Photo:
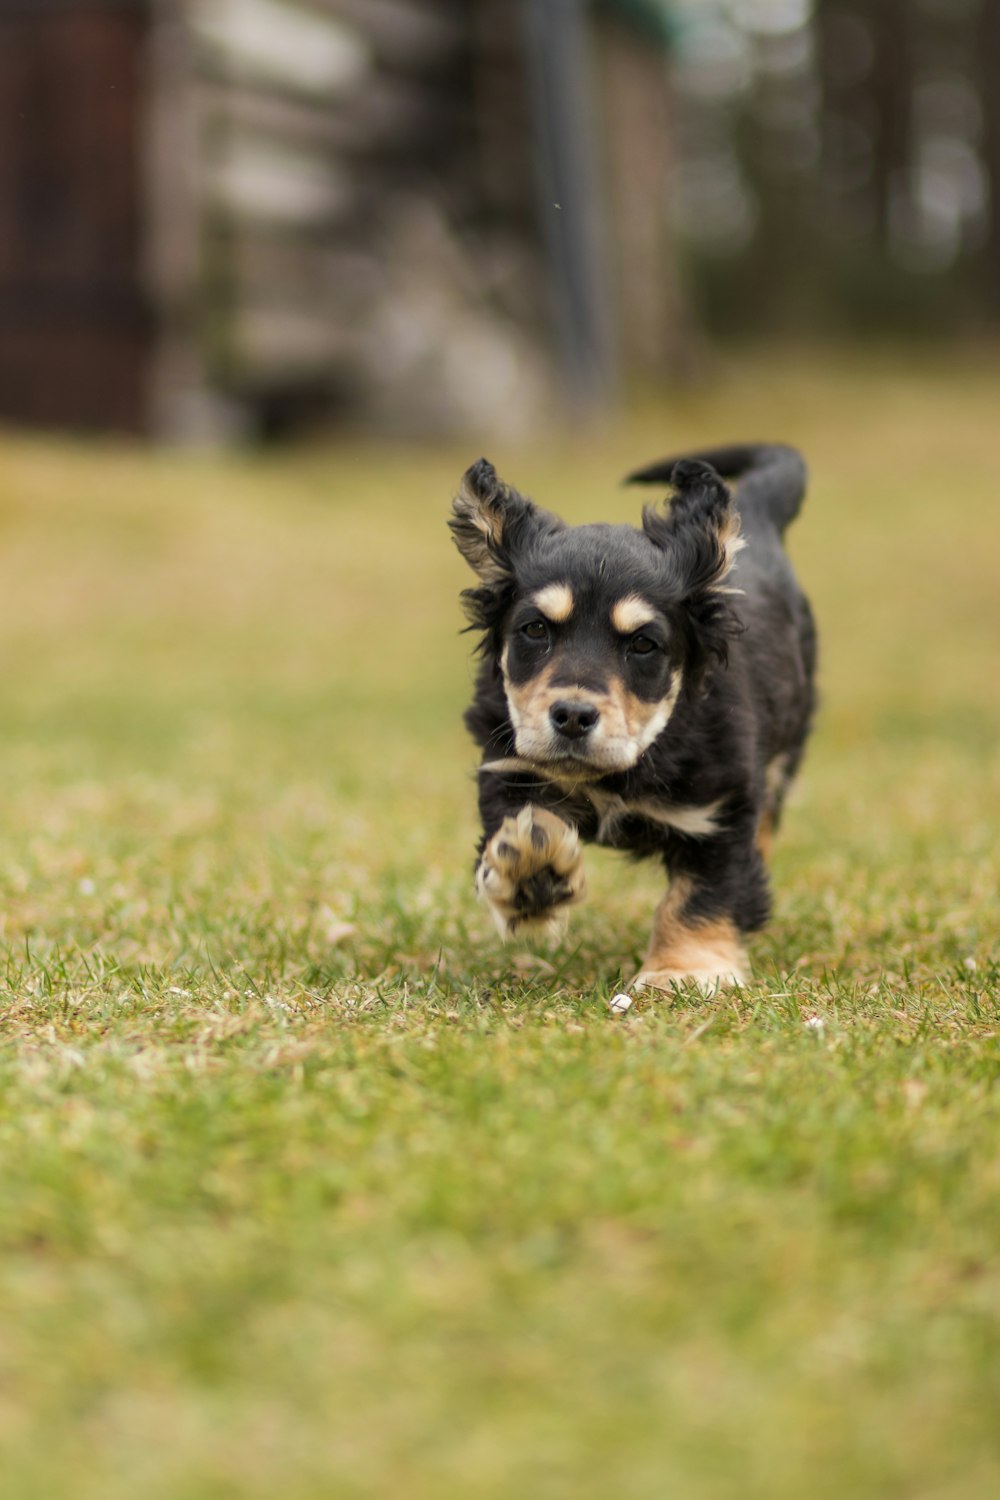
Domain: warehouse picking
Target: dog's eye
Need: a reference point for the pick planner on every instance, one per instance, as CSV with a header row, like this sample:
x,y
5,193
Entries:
x,y
535,630
641,645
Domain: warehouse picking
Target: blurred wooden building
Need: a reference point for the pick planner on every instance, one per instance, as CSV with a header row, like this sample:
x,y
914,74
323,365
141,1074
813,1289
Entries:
x,y
228,214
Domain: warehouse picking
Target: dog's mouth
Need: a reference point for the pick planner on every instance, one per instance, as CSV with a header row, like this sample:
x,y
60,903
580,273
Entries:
x,y
574,768
565,769
554,764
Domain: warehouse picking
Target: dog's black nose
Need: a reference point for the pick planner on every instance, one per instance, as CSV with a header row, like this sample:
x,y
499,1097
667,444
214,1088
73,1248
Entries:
x,y
573,720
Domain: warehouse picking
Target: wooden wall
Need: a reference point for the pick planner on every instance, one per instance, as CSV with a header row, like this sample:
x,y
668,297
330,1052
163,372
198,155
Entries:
x,y
218,217
75,325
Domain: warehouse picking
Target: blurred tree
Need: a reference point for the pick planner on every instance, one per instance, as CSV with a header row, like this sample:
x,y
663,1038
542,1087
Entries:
x,y
989,79
891,94
840,162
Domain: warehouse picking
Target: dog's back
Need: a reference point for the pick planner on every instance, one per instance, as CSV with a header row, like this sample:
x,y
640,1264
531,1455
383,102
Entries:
x,y
771,478
779,644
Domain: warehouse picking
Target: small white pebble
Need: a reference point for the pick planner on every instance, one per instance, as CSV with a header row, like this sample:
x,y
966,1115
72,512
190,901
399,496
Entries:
x,y
815,1023
620,1003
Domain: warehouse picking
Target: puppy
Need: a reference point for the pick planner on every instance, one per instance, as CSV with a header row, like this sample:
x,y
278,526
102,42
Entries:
x,y
649,690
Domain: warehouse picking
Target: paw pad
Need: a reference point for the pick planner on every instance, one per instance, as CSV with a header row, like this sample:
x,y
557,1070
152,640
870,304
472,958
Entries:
x,y
530,870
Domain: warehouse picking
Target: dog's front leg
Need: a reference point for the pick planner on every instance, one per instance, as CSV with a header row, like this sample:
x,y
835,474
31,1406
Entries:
x,y
714,899
530,870
706,950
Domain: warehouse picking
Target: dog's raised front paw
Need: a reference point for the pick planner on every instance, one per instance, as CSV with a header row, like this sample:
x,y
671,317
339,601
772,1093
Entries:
x,y
530,870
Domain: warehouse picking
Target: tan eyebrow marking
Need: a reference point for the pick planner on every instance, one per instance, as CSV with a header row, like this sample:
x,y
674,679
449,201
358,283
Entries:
x,y
631,613
555,602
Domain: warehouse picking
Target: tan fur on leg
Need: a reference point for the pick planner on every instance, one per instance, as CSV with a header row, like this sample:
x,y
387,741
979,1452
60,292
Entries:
x,y
710,951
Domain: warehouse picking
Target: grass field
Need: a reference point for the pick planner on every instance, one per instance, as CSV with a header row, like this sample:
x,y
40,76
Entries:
x,y
306,1187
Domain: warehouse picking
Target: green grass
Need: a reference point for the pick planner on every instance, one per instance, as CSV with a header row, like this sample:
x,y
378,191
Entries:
x,y
306,1187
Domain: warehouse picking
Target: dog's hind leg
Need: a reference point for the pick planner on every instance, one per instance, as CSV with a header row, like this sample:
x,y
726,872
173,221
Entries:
x,y
777,777
765,834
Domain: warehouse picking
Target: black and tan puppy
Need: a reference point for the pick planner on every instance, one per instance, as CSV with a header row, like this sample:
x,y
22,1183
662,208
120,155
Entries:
x,y
650,690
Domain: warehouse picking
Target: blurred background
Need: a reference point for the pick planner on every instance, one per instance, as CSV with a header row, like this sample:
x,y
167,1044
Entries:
x,y
316,1190
233,218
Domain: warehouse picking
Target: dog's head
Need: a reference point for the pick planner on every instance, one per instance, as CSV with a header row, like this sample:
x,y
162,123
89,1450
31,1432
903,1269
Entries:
x,y
595,629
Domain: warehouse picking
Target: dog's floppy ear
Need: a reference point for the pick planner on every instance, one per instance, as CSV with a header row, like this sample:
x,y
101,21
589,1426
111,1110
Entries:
x,y
699,536
491,523
701,528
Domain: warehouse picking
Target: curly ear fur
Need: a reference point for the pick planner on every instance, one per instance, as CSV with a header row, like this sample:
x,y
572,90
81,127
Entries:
x,y
700,537
478,515
491,523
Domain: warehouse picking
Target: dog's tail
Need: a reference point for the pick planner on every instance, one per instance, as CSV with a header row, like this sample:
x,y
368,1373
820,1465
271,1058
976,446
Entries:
x,y
772,477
